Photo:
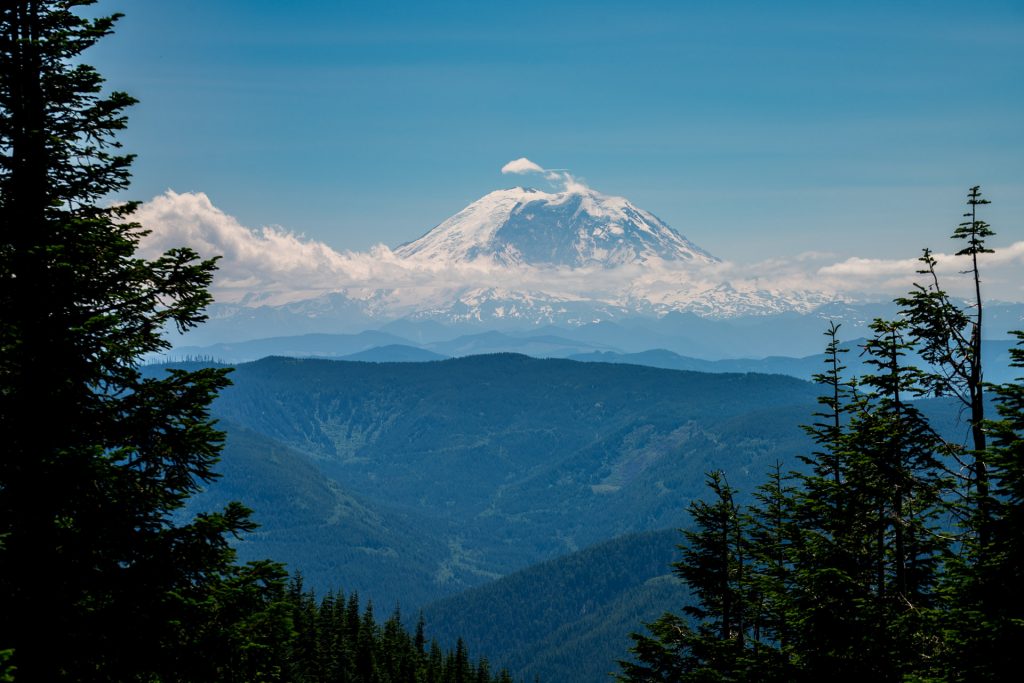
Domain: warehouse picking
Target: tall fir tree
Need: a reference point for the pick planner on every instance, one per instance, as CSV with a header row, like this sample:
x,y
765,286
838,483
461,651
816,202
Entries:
x,y
715,564
773,537
1003,569
896,457
978,611
98,581
948,336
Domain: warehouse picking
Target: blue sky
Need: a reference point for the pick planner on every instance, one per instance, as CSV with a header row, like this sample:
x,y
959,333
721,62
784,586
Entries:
x,y
756,129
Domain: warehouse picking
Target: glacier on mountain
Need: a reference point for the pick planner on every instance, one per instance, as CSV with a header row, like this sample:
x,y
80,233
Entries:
x,y
525,226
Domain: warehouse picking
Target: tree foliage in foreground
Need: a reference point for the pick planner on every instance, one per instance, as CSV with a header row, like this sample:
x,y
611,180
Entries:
x,y
335,640
895,555
99,579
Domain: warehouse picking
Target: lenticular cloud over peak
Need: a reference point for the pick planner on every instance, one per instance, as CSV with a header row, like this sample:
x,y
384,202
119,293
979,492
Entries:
x,y
520,166
561,177
541,253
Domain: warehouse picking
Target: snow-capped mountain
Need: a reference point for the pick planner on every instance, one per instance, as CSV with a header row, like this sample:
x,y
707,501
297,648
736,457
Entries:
x,y
520,229
518,259
524,226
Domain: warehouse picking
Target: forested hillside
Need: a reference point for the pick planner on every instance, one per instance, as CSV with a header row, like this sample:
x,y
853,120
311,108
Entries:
x,y
566,619
338,638
501,461
338,540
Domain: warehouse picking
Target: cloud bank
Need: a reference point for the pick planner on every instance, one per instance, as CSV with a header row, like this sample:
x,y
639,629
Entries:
x,y
270,265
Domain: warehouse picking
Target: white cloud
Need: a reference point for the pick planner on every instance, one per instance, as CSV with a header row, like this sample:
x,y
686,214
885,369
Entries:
x,y
1000,273
568,182
559,176
277,266
520,166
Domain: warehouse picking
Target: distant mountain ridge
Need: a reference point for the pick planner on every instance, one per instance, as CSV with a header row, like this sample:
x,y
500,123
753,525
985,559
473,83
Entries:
x,y
789,345
788,334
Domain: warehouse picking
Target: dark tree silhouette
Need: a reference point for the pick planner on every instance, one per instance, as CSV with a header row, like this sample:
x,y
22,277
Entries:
x,y
98,579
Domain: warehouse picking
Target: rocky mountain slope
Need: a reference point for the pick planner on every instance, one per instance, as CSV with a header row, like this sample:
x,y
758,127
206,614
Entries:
x,y
573,228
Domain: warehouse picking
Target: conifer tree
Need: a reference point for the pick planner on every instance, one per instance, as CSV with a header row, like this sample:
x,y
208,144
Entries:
x,y
830,552
949,339
435,664
896,456
984,586
1004,560
715,563
89,503
977,602
773,536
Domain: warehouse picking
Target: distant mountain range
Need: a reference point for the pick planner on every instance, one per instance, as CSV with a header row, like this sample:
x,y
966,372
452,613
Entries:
x,y
677,342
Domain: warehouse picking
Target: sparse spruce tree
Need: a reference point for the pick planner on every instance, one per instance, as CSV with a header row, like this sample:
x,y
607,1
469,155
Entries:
x,y
978,611
98,579
948,337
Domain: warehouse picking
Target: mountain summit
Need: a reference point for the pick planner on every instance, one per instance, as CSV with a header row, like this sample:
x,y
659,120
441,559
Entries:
x,y
514,259
580,227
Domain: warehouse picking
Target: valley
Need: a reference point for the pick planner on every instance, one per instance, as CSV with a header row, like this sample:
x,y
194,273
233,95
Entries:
x,y
492,463
461,486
